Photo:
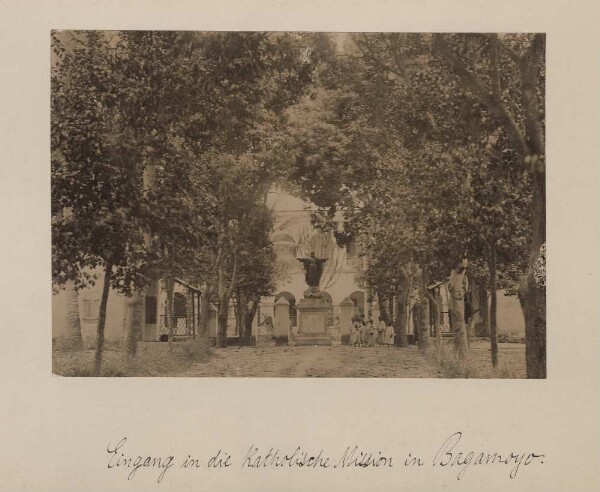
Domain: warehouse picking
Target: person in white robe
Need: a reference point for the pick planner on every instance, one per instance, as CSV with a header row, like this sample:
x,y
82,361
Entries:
x,y
364,333
381,331
355,335
372,331
389,335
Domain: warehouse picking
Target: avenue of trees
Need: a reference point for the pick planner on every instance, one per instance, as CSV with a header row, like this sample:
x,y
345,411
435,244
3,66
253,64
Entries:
x,y
161,159
428,148
432,147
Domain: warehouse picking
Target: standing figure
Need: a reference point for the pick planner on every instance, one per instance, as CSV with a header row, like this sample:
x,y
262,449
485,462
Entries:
x,y
389,336
372,334
363,332
355,334
313,269
381,331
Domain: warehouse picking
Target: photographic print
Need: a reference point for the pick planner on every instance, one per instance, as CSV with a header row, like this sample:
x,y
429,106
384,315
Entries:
x,y
298,204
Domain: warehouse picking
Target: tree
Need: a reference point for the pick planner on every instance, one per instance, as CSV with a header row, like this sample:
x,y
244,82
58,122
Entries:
x,y
72,336
519,110
238,184
248,79
422,141
131,104
95,173
257,269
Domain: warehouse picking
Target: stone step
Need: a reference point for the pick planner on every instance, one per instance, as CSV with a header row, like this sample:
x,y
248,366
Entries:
x,y
308,339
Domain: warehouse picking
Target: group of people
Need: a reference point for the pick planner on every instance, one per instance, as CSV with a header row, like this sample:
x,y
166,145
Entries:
x,y
368,334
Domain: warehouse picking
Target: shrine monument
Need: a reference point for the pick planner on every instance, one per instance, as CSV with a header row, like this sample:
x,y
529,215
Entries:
x,y
314,308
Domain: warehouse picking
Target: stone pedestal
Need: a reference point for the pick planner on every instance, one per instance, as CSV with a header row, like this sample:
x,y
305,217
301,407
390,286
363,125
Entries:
x,y
282,317
313,314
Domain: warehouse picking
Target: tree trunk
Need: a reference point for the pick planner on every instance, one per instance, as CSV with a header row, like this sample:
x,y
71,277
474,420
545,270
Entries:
x,y
72,337
424,320
532,295
424,325
250,319
224,298
134,317
223,309
530,145
415,312
169,288
102,321
204,311
468,311
457,310
190,318
384,311
368,288
249,309
472,303
401,326
437,324
483,306
493,317
239,314
244,313
535,294
403,310
222,318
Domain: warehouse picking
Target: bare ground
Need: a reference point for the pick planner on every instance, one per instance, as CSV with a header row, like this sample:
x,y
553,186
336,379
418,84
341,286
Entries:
x,y
330,362
511,360
316,361
356,362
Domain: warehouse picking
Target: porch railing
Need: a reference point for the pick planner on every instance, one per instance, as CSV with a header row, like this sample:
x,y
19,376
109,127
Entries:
x,y
180,326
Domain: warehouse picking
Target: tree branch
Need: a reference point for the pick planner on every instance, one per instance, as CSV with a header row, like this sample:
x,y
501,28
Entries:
x,y
396,51
497,109
496,91
512,54
381,65
530,67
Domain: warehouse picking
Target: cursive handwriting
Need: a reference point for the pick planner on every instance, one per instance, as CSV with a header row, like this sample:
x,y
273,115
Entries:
x,y
274,458
356,457
449,456
119,459
452,455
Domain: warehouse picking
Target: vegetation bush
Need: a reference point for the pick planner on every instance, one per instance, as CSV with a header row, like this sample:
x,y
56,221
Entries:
x,y
153,359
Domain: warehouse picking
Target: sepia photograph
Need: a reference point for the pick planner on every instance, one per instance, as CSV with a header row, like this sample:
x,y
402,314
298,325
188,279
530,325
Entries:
x,y
270,245
298,204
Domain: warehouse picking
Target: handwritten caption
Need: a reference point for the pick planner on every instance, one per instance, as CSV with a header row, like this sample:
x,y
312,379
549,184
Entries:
x,y
451,455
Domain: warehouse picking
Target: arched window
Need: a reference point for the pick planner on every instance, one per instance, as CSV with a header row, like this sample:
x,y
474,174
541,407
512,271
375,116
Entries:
x,y
283,238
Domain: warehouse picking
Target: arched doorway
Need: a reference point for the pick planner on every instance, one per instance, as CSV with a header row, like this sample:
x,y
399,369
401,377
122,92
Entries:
x,y
358,298
292,309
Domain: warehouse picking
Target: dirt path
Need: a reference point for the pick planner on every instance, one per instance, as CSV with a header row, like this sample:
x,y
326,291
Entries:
x,y
341,361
